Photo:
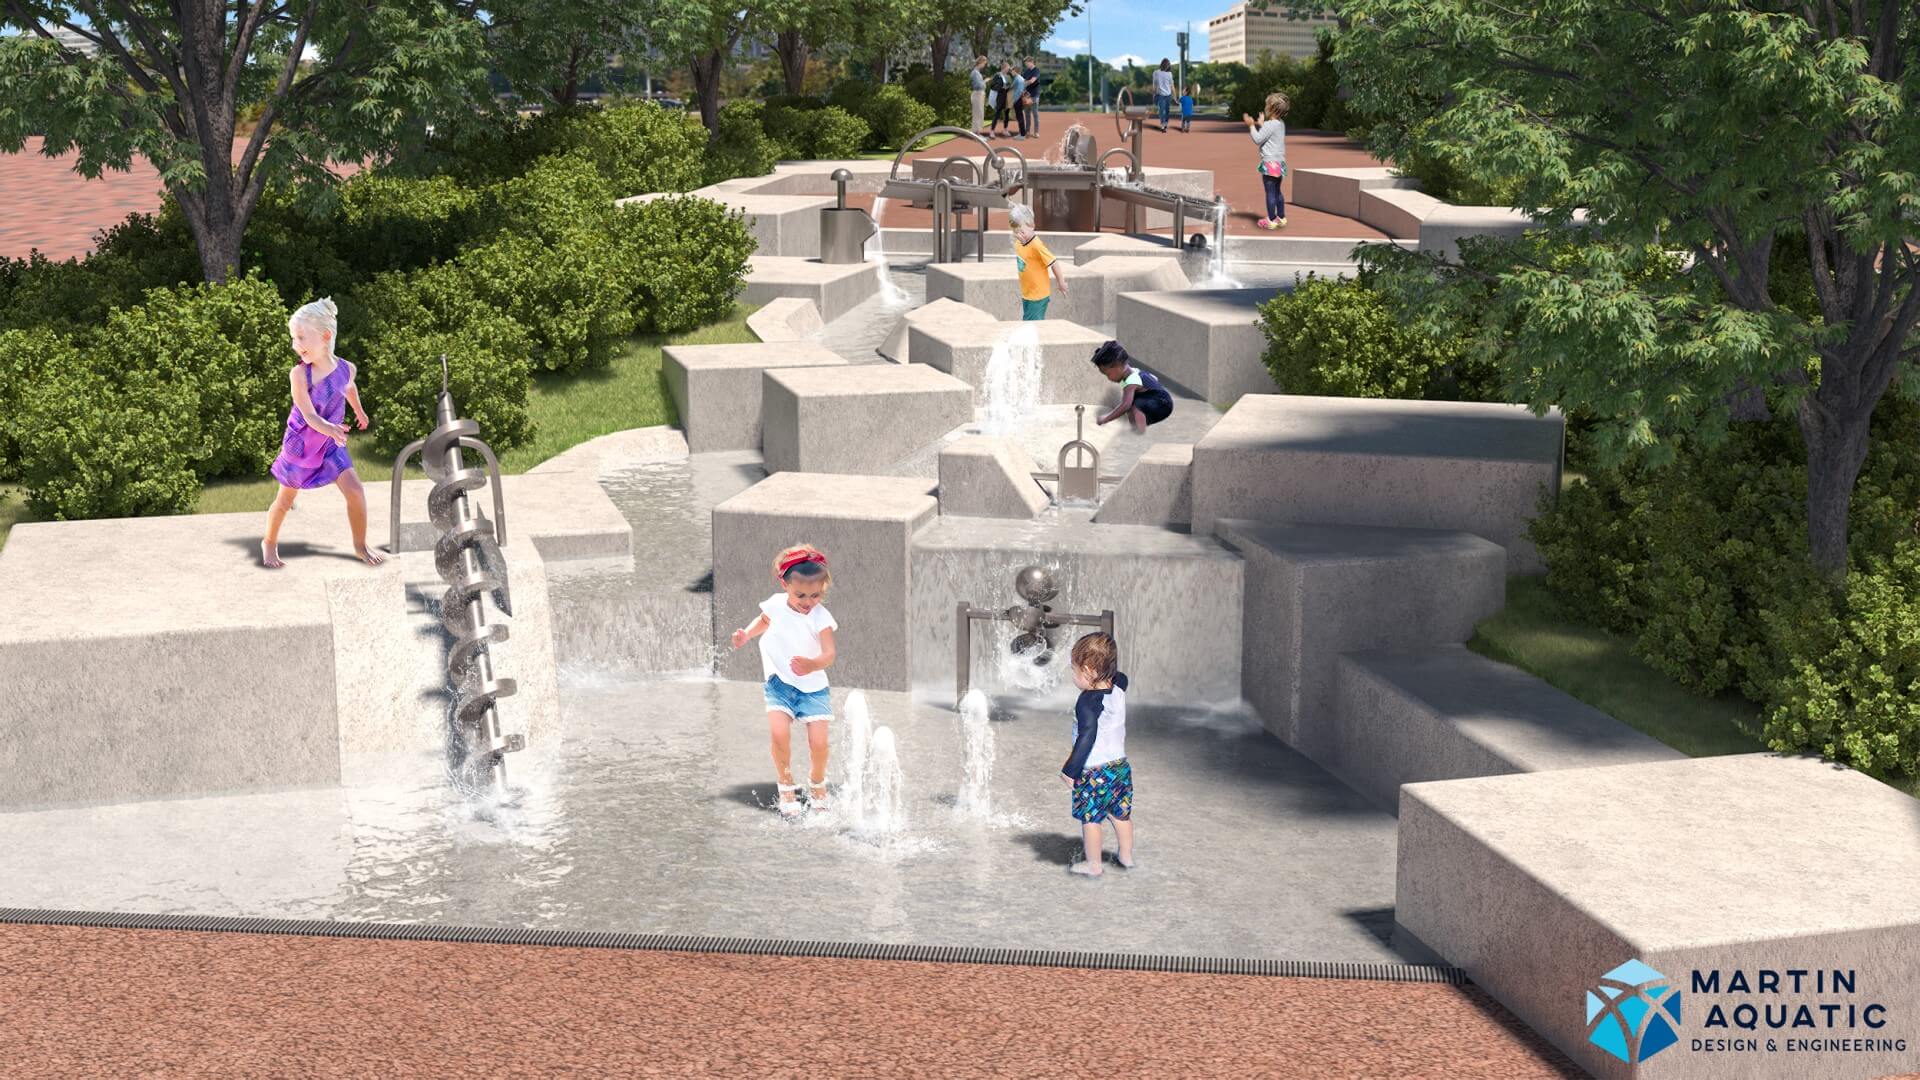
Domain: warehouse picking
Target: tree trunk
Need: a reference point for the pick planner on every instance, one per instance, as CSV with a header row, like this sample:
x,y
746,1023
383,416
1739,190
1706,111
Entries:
x,y
879,64
941,43
706,68
568,90
793,52
216,233
1836,440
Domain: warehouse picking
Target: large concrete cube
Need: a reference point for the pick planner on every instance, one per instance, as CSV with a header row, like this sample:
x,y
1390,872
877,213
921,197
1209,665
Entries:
x,y
1158,490
1442,230
1477,467
1208,341
1777,871
834,288
989,476
1316,591
1051,358
789,318
1396,212
716,388
860,418
1131,274
1338,191
993,286
1445,713
865,526
898,345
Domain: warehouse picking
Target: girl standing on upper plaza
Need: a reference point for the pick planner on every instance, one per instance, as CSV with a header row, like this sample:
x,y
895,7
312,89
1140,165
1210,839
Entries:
x,y
1270,135
796,649
313,452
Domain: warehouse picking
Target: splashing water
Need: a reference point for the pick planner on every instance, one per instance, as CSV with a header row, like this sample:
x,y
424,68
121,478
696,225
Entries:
x,y
859,738
1013,380
976,738
1019,670
882,812
876,251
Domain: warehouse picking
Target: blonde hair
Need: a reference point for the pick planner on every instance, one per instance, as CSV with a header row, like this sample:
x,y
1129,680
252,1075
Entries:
x,y
1097,655
1020,216
788,554
1277,105
322,314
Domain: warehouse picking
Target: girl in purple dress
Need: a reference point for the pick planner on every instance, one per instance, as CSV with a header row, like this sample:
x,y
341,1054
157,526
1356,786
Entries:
x,y
313,452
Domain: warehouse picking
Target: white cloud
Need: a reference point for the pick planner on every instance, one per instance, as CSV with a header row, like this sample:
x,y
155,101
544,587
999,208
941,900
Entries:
x,y
1173,27
1119,63
1057,46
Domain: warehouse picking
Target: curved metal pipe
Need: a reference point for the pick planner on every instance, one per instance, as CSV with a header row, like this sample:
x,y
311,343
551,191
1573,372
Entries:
x,y
894,173
1005,184
973,171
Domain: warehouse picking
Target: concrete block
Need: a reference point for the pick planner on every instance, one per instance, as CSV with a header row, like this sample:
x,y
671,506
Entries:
x,y
989,476
835,289
994,287
865,525
1413,464
856,419
1129,274
716,388
1397,212
1338,191
783,226
1445,713
1310,250
1176,601
1316,591
789,318
897,347
1158,490
1442,230
1207,341
1538,885
1049,361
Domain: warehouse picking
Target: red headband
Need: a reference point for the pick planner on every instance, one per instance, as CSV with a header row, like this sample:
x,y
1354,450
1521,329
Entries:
x,y
798,557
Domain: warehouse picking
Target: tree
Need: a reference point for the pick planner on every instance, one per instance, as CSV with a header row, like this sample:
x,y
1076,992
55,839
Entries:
x,y
550,48
169,84
1772,147
876,29
704,34
799,27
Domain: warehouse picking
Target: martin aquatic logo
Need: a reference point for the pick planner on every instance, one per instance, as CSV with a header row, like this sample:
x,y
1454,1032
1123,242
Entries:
x,y
1628,1016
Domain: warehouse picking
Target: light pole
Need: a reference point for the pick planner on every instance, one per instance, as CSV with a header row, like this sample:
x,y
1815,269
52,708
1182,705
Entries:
x,y
1089,57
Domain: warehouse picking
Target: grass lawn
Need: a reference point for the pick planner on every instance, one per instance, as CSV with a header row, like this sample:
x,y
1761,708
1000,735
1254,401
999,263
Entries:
x,y
567,410
889,155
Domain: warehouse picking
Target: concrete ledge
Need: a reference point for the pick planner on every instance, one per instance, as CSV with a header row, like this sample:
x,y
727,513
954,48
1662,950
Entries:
x,y
1442,230
1353,461
857,418
1397,212
1123,274
786,226
1539,884
994,287
789,318
1055,355
1195,264
1445,713
1338,191
835,289
1316,591
865,525
617,452
1158,490
716,388
898,346
918,242
1208,341
989,476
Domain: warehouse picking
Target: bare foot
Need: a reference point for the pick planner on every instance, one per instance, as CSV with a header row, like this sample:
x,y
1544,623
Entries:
x,y
1091,869
270,556
370,556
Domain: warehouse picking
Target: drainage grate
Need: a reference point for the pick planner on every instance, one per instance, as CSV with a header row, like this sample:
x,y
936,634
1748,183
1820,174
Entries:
x,y
837,950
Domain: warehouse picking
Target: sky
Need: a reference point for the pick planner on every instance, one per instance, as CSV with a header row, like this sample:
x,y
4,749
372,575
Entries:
x,y
1142,29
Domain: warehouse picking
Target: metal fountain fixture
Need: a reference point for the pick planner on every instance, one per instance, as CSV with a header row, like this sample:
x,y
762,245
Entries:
x,y
1082,478
1035,619
468,558
972,186
845,230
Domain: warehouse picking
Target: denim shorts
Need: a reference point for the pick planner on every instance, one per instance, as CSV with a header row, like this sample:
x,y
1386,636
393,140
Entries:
x,y
1033,309
783,696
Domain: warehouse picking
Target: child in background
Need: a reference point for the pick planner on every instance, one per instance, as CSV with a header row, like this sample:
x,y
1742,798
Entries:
x,y
1035,264
1269,133
796,649
1143,398
1097,770
1186,110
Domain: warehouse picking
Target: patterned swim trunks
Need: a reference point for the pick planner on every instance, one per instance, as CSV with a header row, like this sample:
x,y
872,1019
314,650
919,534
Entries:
x,y
1104,791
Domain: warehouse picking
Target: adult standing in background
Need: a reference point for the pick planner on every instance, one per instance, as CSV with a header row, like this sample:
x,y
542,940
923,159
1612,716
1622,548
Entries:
x,y
1163,90
1031,73
1019,97
979,82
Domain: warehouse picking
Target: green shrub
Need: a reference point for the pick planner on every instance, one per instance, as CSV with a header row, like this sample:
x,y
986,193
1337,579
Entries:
x,y
740,146
24,355
399,377
1318,88
295,245
1339,338
637,148
834,133
558,195
894,115
788,129
399,223
949,96
1271,72
62,295
690,256
571,293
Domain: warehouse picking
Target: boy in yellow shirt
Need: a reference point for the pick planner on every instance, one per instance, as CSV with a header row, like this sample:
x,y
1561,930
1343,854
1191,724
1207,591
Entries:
x,y
1035,262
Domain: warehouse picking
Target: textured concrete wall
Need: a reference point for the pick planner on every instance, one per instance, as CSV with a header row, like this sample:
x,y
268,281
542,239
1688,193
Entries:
x,y
965,350
989,476
860,418
834,288
1158,490
1207,341
716,388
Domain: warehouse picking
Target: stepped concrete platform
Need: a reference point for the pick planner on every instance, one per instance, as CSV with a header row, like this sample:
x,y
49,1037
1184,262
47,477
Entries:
x,y
994,287
784,226
898,345
1763,868
1207,341
859,418
989,476
1443,229
1445,713
918,243
192,670
865,526
716,388
614,453
1314,592
1176,601
789,318
834,288
1193,263
1339,191
1398,212
1158,490
1121,274
1481,468
1062,351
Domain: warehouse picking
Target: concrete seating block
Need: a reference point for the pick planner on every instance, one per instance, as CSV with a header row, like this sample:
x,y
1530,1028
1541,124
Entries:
x,y
994,287
989,476
716,388
1126,274
786,226
789,318
835,289
1338,191
1443,229
1158,490
856,418
1305,250
1176,601
1317,591
897,347
1745,882
1107,244
1397,212
1053,358
864,524
1445,713
1349,461
1208,341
